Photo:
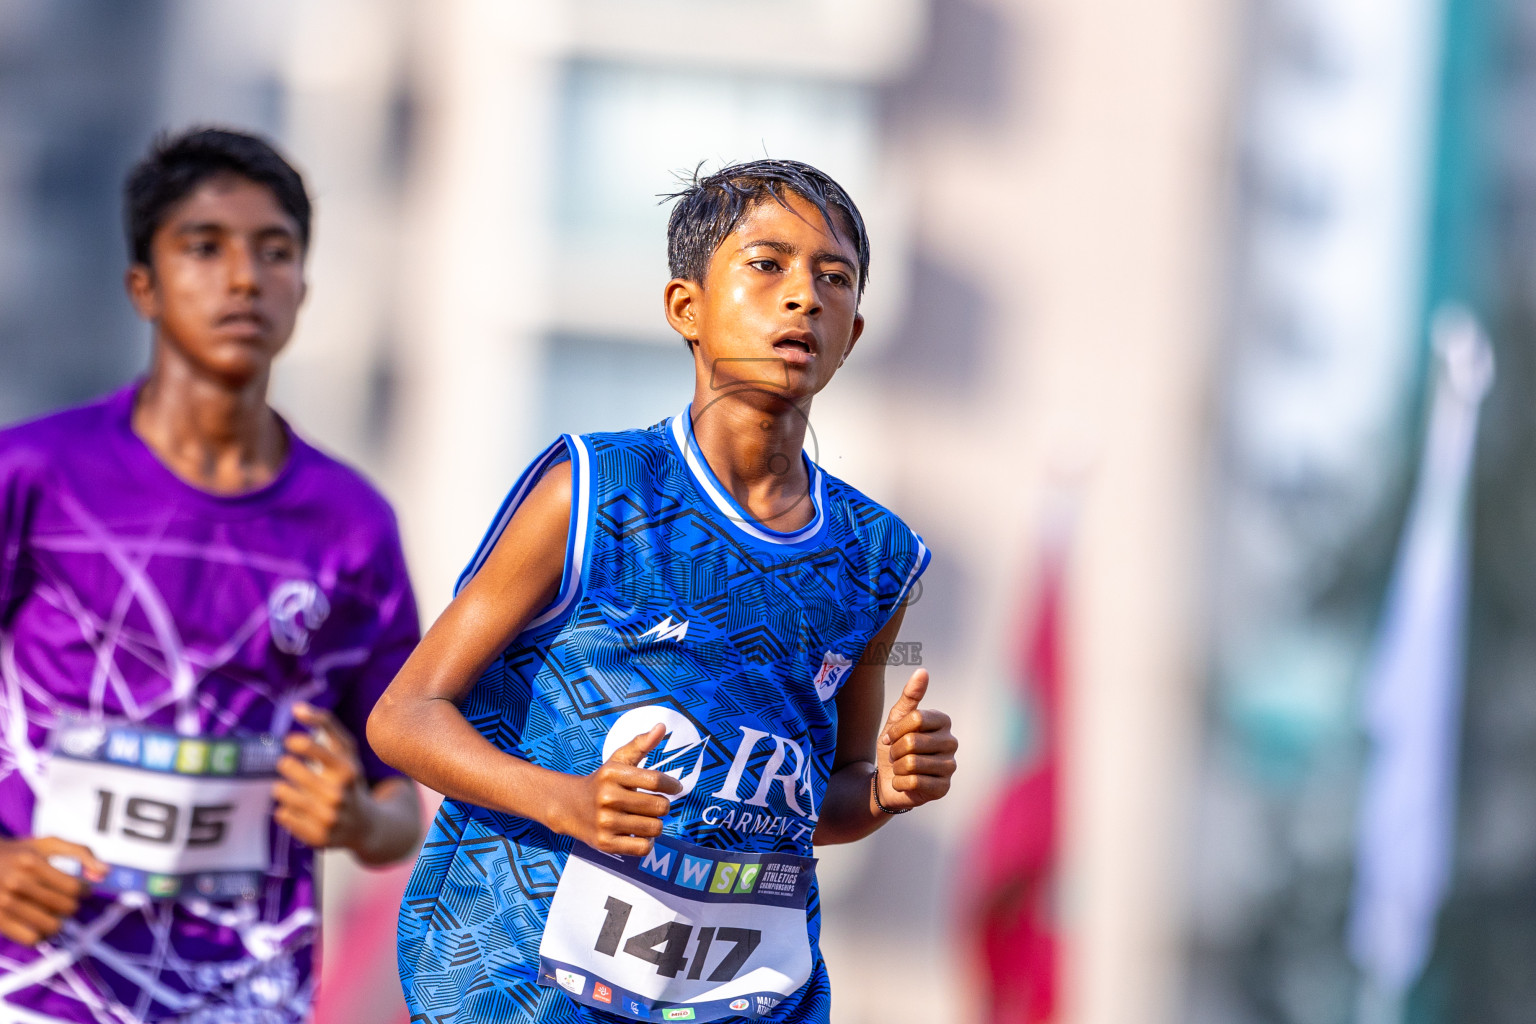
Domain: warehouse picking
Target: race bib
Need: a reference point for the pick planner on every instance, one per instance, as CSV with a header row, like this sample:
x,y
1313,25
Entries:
x,y
170,814
683,933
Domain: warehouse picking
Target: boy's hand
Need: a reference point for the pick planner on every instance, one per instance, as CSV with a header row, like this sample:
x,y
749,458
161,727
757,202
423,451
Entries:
x,y
609,810
916,753
35,896
322,798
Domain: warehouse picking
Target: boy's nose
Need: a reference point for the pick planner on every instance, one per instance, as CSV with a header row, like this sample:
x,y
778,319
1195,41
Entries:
x,y
802,299
242,269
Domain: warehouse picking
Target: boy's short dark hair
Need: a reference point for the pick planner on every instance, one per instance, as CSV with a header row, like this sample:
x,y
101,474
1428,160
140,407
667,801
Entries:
x,y
711,207
177,164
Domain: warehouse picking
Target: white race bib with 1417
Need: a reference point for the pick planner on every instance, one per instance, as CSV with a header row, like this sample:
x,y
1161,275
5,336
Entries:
x,y
169,814
683,933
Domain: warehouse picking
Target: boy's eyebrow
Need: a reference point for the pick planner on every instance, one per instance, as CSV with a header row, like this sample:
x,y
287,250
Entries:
x,y
828,256
200,226
775,244
820,256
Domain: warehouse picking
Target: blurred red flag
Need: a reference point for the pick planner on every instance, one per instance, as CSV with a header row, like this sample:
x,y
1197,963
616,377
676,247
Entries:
x,y
1015,920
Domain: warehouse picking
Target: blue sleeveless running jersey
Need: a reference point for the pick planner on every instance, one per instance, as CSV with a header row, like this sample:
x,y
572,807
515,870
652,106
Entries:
x,y
675,606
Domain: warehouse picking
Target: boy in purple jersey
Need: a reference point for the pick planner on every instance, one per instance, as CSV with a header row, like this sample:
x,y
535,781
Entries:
x,y
181,574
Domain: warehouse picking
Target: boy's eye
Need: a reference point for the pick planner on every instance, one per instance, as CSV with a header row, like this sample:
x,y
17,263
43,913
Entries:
x,y
764,264
833,277
277,253
203,247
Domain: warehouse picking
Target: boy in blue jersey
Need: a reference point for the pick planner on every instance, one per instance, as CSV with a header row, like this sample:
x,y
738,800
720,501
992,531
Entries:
x,y
661,681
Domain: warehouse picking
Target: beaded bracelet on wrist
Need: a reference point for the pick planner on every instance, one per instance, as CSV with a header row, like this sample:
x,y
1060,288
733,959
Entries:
x,y
874,787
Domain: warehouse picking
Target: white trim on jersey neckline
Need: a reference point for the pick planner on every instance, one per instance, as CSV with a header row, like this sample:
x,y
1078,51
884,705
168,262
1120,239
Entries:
x,y
698,468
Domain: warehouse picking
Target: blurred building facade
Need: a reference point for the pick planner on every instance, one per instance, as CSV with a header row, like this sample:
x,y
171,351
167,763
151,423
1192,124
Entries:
x,y
74,112
1038,180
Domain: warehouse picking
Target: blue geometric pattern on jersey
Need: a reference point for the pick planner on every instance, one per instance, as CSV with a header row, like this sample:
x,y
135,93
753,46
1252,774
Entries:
x,y
527,1001
675,607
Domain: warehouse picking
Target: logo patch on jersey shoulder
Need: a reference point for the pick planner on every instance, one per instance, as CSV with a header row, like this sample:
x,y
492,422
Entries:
x,y
675,755
296,609
834,669
665,630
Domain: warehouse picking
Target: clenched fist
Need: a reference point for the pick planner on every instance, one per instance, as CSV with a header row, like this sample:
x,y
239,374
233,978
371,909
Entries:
x,y
36,897
610,809
322,798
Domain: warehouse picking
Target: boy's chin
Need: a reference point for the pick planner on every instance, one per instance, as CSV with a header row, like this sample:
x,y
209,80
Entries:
x,y
233,364
768,396
771,375
803,383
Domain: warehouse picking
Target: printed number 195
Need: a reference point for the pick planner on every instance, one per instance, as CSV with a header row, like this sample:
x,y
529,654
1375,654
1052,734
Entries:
x,y
155,821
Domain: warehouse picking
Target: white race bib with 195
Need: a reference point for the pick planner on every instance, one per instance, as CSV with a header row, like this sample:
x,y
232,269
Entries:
x,y
683,933
169,814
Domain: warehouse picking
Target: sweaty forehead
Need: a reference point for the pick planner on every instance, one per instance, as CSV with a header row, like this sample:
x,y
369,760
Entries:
x,y
767,219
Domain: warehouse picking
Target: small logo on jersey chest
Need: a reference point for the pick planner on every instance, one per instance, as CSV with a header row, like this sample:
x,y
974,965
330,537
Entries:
x,y
666,630
296,609
834,669
682,739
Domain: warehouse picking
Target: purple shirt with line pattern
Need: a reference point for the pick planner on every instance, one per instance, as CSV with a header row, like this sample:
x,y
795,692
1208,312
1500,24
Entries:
x,y
128,595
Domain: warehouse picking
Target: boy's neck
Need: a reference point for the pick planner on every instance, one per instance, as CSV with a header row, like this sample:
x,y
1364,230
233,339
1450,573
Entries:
x,y
752,441
217,435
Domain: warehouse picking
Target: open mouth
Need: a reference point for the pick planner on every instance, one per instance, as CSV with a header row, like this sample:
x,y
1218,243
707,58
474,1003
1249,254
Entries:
x,y
250,321
794,347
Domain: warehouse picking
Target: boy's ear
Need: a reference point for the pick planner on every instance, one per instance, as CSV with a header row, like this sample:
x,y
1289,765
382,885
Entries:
x,y
139,280
680,298
853,339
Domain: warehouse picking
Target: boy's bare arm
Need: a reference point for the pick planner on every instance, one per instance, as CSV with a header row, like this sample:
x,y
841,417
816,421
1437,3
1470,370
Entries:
x,y
908,752
417,726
